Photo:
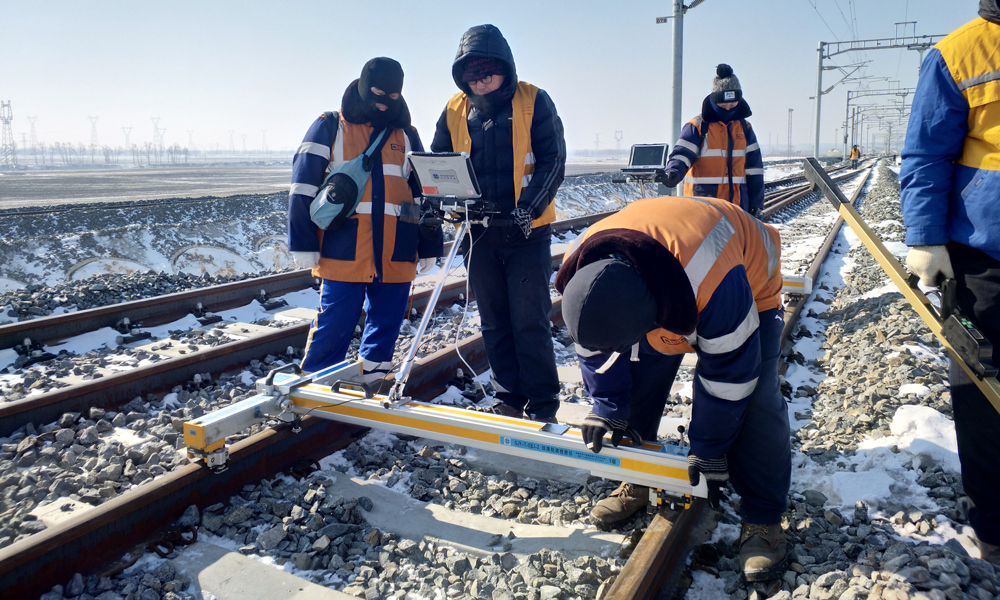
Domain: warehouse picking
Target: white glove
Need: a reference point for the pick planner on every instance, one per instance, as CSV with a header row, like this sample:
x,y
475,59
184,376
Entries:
x,y
424,265
927,261
306,260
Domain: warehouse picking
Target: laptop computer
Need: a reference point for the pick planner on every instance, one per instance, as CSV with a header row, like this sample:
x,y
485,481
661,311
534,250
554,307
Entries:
x,y
647,158
445,174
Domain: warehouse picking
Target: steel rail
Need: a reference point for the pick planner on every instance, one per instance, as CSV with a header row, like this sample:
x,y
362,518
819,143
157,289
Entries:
x,y
169,307
89,541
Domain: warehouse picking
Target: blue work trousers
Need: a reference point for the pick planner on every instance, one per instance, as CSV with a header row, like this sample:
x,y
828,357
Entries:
x,y
340,310
511,285
760,459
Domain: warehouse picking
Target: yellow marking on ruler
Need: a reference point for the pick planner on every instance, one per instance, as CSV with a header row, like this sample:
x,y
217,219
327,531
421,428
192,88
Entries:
x,y
395,418
654,469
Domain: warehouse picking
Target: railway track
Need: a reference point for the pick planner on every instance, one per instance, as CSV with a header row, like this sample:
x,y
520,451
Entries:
x,y
85,542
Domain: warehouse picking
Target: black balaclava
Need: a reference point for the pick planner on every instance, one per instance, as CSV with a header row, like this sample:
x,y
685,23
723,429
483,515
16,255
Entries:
x,y
386,75
608,307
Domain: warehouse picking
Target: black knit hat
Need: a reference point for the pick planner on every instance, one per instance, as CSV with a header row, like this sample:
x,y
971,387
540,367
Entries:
x,y
480,67
725,86
607,306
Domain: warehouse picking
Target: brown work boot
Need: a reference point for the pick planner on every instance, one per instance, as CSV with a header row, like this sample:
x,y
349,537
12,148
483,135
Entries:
x,y
621,504
763,554
506,410
989,552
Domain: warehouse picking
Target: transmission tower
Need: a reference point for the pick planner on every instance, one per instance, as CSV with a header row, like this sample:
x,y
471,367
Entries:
x,y
244,136
790,131
232,144
156,132
32,138
263,133
597,144
127,131
7,156
618,143
190,139
93,133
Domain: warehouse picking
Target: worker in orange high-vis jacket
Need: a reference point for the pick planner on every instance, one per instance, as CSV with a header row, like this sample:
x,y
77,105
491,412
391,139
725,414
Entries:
x,y
514,137
662,277
855,156
718,149
369,260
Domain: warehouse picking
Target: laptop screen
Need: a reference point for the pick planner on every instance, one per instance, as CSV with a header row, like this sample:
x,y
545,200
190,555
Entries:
x,y
648,155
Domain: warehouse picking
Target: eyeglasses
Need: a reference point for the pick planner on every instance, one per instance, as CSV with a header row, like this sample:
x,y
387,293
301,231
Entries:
x,y
484,81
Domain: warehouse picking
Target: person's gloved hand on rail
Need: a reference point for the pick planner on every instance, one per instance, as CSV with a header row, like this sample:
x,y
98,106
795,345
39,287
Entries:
x,y
927,262
716,472
306,260
594,428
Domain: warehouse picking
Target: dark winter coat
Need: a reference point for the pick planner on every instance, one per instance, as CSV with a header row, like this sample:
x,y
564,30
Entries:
x,y
491,129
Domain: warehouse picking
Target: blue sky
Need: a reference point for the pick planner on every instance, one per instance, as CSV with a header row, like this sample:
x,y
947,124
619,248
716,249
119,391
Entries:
x,y
213,66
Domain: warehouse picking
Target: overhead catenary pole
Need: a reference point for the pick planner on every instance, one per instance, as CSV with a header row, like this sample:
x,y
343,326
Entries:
x,y
677,74
819,97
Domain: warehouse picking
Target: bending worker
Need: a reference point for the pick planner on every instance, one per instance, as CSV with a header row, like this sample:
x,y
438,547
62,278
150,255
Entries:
x,y
720,149
514,136
671,275
950,186
371,258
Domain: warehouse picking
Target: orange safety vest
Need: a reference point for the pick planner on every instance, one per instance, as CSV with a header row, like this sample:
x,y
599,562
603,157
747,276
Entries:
x,y
855,154
399,223
712,166
709,237
524,158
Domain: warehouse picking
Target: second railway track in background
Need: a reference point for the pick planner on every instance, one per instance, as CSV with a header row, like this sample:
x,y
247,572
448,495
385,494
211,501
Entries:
x,y
32,564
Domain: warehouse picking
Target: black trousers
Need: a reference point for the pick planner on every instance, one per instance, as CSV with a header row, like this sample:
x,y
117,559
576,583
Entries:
x,y
511,285
977,422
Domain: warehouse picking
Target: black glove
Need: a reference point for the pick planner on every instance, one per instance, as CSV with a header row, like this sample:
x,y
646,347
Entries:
x,y
716,472
669,179
522,219
429,224
595,427
757,213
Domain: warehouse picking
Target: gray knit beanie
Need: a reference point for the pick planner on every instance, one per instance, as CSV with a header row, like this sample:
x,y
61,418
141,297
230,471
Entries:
x,y
725,86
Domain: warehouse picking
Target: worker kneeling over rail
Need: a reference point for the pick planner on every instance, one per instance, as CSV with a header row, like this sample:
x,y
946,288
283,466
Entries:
x,y
672,275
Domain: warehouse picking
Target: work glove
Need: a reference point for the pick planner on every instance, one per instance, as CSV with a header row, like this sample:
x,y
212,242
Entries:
x,y
522,219
716,472
927,262
424,265
669,179
429,225
306,260
594,428
757,213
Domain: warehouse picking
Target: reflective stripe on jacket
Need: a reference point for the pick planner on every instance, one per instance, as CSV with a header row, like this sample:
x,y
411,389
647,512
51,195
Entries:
x,y
524,159
710,238
950,173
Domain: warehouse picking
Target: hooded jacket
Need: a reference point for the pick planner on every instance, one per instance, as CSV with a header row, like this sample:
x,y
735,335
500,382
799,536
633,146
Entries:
x,y
512,171
950,173
381,240
723,156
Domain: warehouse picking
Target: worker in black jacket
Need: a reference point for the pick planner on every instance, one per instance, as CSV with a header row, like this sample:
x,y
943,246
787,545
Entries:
x,y
514,136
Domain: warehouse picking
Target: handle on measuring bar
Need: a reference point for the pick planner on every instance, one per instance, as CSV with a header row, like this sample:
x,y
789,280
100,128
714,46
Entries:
x,y
270,375
364,387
